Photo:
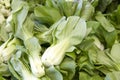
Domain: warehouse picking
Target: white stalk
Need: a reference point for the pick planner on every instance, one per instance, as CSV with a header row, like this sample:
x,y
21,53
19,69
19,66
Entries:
x,y
55,54
36,65
7,52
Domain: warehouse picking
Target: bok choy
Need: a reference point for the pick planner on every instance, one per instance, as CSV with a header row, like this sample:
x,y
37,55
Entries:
x,y
66,34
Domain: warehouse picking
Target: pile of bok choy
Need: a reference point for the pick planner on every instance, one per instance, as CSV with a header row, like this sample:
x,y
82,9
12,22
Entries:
x,y
59,39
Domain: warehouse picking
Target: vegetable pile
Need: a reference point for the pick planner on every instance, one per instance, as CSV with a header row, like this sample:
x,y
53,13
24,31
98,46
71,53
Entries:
x,y
59,39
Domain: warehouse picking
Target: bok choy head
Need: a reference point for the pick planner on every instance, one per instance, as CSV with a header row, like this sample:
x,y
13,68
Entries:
x,y
24,30
66,34
34,49
8,48
22,70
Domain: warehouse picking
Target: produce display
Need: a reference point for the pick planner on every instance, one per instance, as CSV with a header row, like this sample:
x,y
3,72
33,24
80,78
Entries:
x,y
59,40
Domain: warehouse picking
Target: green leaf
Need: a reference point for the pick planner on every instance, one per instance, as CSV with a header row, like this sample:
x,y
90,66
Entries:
x,y
85,76
104,22
102,58
1,78
33,46
53,73
40,27
46,14
46,36
86,44
19,16
84,63
79,7
26,30
69,69
113,76
87,11
92,26
115,51
67,8
71,28
105,38
3,32
14,73
103,4
117,14
4,70
71,55
114,17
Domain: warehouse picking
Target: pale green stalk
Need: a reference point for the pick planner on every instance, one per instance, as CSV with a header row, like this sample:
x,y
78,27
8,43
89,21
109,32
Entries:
x,y
55,54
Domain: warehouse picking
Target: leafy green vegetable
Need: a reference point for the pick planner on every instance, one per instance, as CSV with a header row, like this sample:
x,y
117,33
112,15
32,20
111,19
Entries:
x,y
8,48
21,68
66,35
34,56
24,31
